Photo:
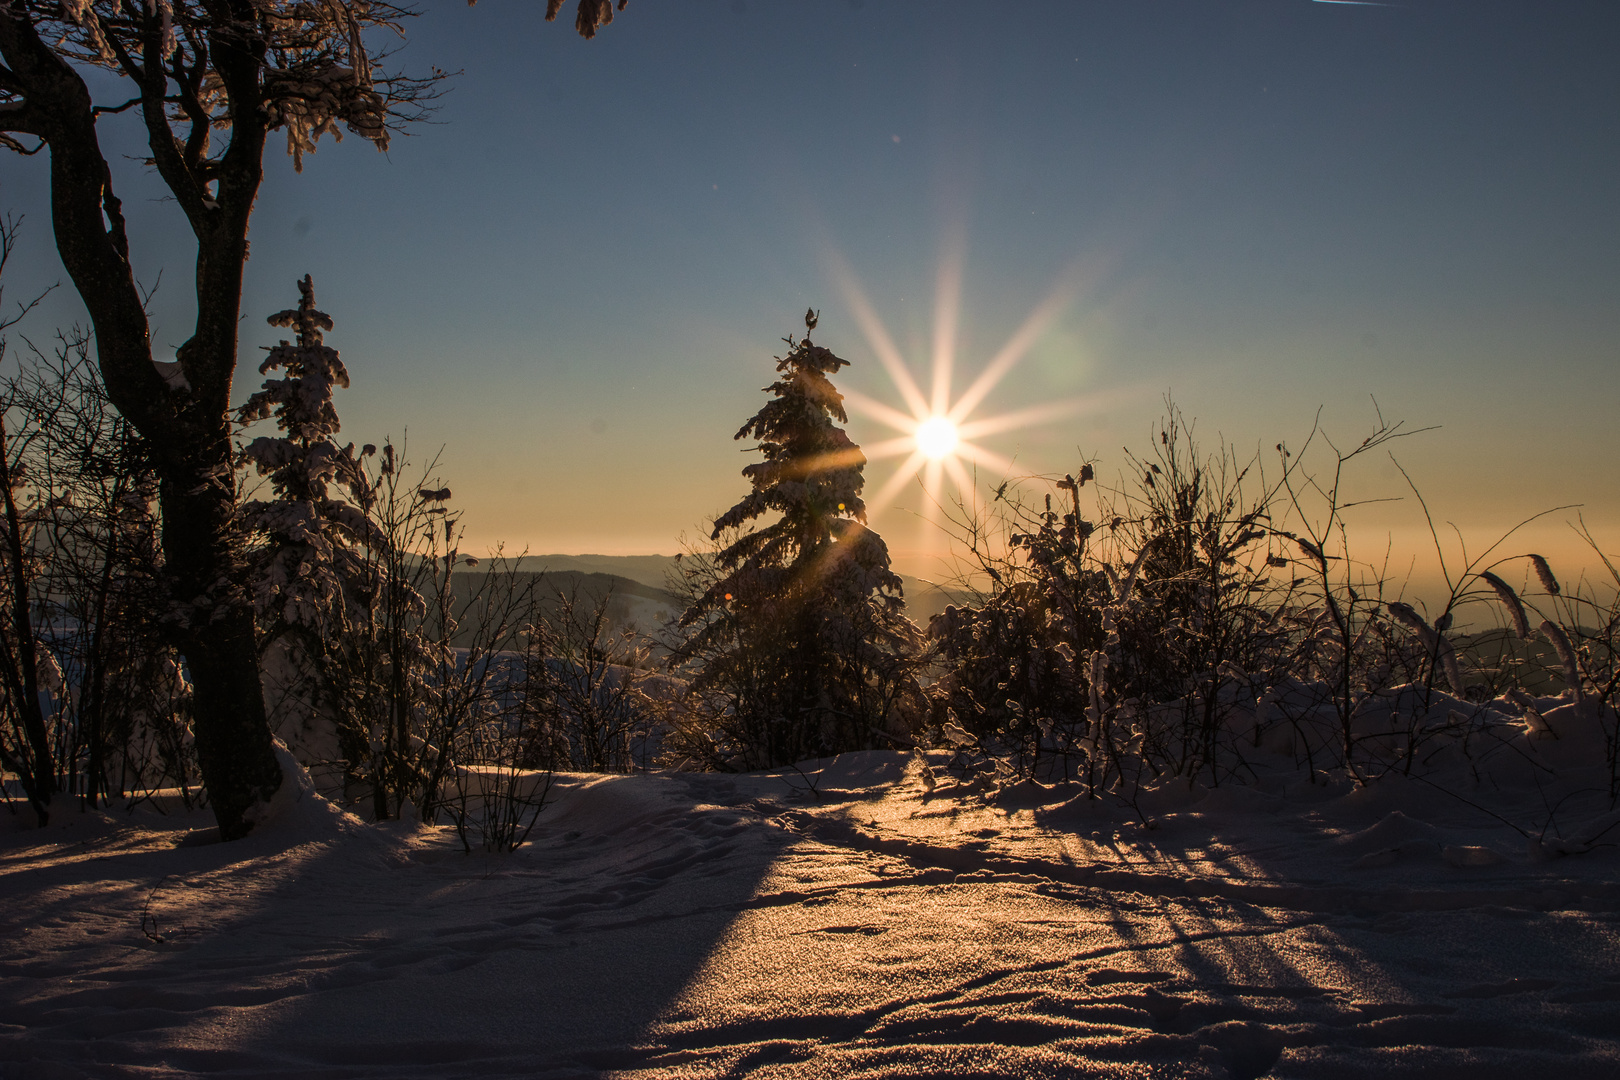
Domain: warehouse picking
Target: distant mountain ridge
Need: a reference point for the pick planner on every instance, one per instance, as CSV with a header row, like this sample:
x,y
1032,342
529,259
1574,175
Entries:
x,y
649,570
924,599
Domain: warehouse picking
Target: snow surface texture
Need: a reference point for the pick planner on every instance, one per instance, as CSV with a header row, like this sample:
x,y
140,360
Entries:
x,y
868,916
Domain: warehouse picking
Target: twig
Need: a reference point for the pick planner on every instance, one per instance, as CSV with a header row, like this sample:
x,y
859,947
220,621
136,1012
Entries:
x,y
149,922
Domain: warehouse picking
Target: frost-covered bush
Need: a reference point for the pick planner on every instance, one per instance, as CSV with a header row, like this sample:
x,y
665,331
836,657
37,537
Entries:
x,y
1156,593
611,708
1201,614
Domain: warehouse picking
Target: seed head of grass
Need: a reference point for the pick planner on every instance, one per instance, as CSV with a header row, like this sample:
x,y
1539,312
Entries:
x,y
1544,572
1510,600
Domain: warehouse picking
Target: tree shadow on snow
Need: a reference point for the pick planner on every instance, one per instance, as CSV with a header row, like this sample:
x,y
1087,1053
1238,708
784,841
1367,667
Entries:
x,y
379,950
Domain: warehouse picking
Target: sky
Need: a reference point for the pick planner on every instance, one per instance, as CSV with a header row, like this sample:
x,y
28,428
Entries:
x,y
574,279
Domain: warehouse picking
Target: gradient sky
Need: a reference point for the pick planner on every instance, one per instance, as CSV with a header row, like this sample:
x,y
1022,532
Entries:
x,y
574,280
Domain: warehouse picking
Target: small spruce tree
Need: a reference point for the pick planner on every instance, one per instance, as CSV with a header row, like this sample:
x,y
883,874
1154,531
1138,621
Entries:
x,y
794,628
311,573
316,525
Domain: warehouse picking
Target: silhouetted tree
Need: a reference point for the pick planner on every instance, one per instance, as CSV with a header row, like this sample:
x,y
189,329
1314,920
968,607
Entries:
x,y
210,81
796,632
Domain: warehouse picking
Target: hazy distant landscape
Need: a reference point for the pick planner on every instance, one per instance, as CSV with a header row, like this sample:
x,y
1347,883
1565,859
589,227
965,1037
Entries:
x,y
647,577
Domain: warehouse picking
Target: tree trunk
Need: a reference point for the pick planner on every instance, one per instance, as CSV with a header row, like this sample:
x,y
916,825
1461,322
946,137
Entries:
x,y
216,636
188,430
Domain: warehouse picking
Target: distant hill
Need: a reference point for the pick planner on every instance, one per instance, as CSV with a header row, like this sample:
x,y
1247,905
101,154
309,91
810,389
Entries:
x,y
649,570
924,599
629,602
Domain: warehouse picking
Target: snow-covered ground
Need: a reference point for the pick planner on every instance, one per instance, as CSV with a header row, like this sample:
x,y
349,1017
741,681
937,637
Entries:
x,y
870,916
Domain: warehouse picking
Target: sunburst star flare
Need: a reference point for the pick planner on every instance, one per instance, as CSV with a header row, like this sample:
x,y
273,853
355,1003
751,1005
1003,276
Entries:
x,y
935,434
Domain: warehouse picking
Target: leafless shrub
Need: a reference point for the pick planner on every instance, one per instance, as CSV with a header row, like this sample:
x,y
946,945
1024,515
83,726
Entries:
x,y
611,706
96,701
1177,617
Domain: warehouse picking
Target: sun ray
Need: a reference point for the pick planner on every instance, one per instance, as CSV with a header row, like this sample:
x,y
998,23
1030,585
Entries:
x,y
964,482
1010,354
947,313
877,336
1063,294
988,458
933,474
902,476
1029,417
837,459
876,409
903,444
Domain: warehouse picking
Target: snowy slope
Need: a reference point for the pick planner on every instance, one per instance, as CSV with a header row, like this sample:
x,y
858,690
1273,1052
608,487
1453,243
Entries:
x,y
871,915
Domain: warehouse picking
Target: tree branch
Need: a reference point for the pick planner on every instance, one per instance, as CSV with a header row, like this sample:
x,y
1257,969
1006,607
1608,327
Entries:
x,y
100,110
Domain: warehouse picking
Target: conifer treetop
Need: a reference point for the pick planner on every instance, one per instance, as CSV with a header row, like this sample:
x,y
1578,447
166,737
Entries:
x,y
302,402
811,472
811,476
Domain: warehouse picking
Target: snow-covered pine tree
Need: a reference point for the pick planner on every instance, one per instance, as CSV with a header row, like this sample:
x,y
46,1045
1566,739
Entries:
x,y
317,524
311,577
795,629
376,672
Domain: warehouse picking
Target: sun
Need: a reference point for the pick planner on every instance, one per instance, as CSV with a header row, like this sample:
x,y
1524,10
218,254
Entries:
x,y
935,435
937,438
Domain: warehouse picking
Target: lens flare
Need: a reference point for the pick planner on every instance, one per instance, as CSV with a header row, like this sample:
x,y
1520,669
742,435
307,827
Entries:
x,y
936,431
937,438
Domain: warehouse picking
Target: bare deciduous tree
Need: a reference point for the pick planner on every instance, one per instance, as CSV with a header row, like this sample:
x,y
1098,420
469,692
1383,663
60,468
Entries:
x,y
210,81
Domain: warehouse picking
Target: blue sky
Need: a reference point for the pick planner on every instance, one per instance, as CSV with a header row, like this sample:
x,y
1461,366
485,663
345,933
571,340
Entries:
x,y
575,278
